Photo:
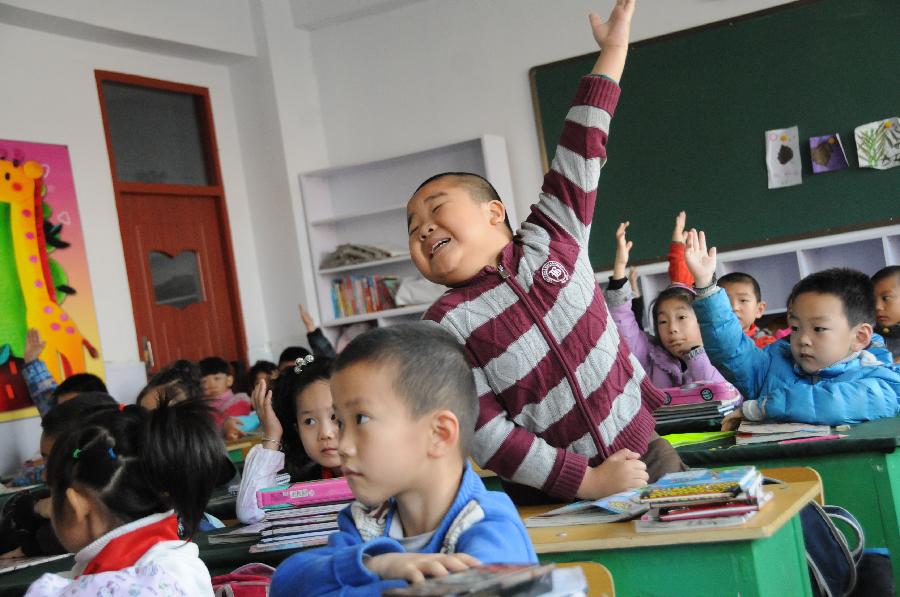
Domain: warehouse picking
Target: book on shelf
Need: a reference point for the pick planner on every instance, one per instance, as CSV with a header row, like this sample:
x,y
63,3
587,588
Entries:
x,y
356,295
613,508
757,433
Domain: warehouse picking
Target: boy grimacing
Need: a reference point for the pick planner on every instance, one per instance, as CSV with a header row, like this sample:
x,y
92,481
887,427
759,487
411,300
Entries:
x,y
405,431
565,408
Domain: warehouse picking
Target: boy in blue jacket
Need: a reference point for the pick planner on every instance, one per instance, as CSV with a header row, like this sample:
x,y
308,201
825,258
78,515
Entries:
x,y
829,373
406,405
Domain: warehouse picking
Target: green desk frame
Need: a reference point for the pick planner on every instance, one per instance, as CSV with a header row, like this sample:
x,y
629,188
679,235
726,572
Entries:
x,y
860,472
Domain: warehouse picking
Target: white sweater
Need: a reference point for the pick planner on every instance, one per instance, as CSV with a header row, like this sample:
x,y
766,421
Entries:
x,y
260,468
167,568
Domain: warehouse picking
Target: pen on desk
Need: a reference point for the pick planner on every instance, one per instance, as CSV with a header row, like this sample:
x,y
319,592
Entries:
x,y
812,439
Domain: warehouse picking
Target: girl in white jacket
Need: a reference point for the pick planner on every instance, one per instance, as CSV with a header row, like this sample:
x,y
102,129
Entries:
x,y
128,489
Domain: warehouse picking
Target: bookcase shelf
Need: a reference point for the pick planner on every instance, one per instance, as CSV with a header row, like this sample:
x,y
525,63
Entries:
x,y
366,204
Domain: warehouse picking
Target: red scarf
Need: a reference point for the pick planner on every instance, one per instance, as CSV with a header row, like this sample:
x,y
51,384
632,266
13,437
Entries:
x,y
125,550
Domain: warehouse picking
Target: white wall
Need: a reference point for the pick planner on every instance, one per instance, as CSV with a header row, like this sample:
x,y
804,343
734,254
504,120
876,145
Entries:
x,y
51,96
438,72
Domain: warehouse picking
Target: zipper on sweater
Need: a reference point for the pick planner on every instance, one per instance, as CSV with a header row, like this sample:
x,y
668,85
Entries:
x,y
554,347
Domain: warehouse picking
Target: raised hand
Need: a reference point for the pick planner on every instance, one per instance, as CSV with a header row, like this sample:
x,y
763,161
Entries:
x,y
617,29
678,233
700,261
623,248
307,320
633,282
612,37
268,421
34,345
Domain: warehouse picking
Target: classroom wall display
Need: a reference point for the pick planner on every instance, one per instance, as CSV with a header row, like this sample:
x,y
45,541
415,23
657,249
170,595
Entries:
x,y
44,281
687,132
783,157
878,144
827,153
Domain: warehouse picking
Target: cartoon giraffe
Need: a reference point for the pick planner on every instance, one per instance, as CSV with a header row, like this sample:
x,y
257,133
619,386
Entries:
x,y
20,187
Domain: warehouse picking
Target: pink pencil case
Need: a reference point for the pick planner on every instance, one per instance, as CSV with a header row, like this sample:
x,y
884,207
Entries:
x,y
699,392
304,494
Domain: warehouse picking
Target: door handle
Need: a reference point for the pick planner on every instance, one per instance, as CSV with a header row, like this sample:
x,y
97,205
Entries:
x,y
148,354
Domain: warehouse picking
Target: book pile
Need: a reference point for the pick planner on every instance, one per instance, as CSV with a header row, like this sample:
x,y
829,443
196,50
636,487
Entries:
x,y
613,508
522,580
701,499
697,401
759,433
298,515
355,295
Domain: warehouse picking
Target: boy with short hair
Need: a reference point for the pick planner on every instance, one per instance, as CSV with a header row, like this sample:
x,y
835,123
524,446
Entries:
x,y
216,379
823,374
405,402
565,408
886,282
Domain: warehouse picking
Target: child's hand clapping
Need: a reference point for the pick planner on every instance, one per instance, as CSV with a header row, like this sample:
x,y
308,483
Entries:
x,y
700,261
623,248
268,421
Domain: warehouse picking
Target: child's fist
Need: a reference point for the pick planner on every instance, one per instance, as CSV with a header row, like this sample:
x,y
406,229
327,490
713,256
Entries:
x,y
700,261
621,471
616,30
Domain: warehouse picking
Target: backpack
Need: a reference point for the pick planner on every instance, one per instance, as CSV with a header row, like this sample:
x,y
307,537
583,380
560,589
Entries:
x,y
832,562
251,580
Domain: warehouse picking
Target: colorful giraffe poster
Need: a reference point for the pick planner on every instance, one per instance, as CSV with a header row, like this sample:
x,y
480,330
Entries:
x,y
44,281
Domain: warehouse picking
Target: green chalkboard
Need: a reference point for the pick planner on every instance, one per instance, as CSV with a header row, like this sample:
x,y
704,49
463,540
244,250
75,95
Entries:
x,y
689,129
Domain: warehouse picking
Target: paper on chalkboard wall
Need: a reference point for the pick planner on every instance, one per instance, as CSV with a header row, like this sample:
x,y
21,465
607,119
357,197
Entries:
x,y
827,153
878,144
783,157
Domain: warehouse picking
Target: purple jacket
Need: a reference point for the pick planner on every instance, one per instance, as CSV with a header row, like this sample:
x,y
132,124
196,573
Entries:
x,y
665,370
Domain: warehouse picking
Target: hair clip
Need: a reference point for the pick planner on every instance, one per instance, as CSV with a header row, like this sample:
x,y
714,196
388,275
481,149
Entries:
x,y
112,453
299,364
76,453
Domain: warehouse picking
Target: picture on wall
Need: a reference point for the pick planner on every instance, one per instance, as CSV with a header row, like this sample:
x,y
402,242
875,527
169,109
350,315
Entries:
x,y
783,157
827,153
44,281
878,144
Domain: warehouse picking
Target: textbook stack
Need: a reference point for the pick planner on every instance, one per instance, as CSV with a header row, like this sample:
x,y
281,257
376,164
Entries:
x,y
762,433
697,401
300,515
701,499
356,295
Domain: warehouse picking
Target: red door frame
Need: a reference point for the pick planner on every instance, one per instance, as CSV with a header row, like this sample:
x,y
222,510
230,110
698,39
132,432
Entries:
x,y
213,175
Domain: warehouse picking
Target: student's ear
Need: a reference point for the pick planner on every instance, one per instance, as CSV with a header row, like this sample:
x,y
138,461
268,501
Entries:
x,y
862,336
444,436
760,309
229,380
496,212
79,503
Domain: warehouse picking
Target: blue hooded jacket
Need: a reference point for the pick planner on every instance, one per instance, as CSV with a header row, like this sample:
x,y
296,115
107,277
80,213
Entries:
x,y
483,524
860,388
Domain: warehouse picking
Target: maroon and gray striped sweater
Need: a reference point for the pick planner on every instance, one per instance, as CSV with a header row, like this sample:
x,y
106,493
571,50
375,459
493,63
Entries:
x,y
558,390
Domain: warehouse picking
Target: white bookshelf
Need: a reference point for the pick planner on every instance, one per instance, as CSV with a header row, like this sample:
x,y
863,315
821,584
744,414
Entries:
x,y
366,204
778,267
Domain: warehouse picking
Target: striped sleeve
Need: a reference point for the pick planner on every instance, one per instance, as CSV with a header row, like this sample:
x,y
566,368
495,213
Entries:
x,y
569,193
517,454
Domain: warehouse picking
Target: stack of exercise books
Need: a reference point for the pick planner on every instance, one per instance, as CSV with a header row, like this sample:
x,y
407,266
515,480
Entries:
x,y
297,516
701,499
613,508
521,580
697,401
758,433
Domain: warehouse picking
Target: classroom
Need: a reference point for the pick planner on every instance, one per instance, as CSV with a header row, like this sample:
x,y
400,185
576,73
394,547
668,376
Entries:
x,y
223,186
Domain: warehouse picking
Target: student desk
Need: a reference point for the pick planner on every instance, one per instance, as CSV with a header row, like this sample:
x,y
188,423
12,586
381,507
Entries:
x,y
764,556
860,472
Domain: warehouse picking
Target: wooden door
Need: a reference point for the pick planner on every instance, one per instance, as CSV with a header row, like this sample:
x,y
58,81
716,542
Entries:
x,y
171,203
177,261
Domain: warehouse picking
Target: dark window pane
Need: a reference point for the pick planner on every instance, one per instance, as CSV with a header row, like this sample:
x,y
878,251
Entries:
x,y
155,135
176,280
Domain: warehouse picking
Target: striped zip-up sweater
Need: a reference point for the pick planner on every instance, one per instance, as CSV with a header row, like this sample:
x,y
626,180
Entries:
x,y
558,390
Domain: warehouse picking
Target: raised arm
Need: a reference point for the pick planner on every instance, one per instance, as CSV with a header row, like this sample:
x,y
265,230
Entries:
x,y
569,192
678,270
618,297
730,350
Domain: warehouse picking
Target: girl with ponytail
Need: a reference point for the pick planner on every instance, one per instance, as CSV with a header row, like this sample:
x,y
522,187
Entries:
x,y
128,488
